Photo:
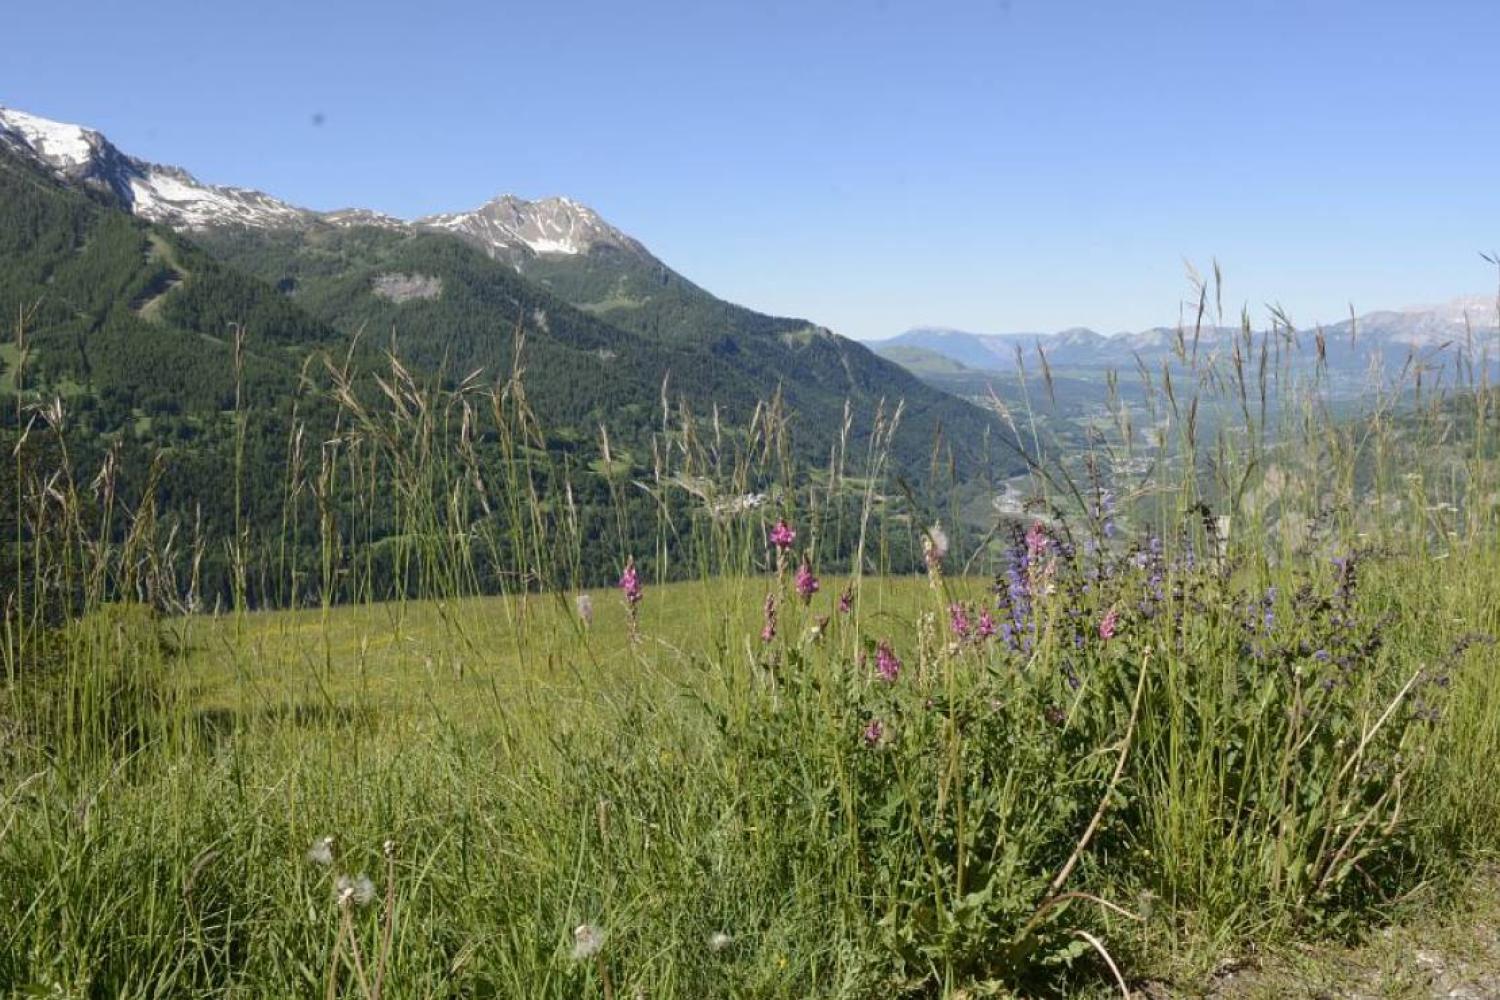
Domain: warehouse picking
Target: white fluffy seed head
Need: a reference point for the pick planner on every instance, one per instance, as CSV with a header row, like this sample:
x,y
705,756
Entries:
x,y
321,852
354,890
588,941
718,941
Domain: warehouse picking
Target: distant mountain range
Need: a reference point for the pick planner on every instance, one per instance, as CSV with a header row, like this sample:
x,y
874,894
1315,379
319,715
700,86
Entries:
x,y
1432,336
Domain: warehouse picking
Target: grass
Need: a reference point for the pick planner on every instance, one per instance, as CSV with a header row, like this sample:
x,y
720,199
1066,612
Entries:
x,y
1210,695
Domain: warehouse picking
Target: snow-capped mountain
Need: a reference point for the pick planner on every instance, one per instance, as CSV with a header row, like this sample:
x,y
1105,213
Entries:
x,y
557,226
159,193
506,227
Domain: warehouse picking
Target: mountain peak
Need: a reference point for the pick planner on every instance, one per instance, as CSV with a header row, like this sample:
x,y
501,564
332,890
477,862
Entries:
x,y
168,195
549,226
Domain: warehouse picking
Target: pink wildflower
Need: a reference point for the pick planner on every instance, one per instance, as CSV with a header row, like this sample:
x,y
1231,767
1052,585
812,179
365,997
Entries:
x,y
874,732
782,535
1036,541
630,585
846,601
1109,624
887,664
986,629
958,620
807,583
768,630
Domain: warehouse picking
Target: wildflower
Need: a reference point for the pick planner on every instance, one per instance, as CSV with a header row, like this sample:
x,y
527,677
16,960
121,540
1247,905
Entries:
x,y
807,583
718,941
782,535
958,620
874,733
321,852
630,584
588,941
1036,541
1109,624
584,604
353,890
846,600
986,626
887,664
630,587
768,628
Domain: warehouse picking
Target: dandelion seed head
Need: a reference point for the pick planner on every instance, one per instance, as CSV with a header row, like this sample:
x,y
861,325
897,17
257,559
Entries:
x,y
321,852
588,941
353,890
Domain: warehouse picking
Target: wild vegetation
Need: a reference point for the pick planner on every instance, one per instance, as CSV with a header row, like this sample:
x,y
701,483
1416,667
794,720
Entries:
x,y
1210,689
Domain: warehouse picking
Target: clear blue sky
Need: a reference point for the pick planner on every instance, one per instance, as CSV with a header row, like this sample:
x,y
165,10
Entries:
x,y
1026,165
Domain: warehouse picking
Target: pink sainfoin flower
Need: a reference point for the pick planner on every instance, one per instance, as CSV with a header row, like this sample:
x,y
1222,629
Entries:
x,y
846,601
807,583
782,535
874,733
958,620
630,585
986,627
768,629
633,592
887,663
1109,624
1036,541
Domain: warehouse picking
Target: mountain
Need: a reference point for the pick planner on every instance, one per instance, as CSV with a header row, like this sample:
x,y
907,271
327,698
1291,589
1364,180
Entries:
x,y
1432,336
606,322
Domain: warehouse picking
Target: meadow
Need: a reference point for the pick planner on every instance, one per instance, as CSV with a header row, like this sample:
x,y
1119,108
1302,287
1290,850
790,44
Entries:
x,y
1242,699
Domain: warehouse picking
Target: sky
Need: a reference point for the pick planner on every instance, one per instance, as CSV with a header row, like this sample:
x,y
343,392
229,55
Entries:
x,y
871,165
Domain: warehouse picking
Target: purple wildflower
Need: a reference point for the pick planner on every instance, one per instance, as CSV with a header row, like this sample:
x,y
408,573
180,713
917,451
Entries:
x,y
986,627
846,601
887,663
874,733
782,535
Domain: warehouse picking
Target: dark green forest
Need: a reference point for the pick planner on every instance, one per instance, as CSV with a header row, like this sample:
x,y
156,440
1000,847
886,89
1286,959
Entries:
x,y
209,375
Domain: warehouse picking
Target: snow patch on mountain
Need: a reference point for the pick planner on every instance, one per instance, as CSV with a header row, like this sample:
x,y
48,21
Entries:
x,y
59,144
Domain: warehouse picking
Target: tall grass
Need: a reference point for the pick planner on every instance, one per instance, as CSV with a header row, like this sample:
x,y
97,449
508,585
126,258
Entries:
x,y
1229,681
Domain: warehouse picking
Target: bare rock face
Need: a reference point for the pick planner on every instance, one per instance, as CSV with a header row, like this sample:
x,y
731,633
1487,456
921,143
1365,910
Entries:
x,y
508,225
405,287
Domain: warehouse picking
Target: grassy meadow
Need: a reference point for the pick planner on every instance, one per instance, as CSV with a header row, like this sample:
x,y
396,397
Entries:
x,y
1243,696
